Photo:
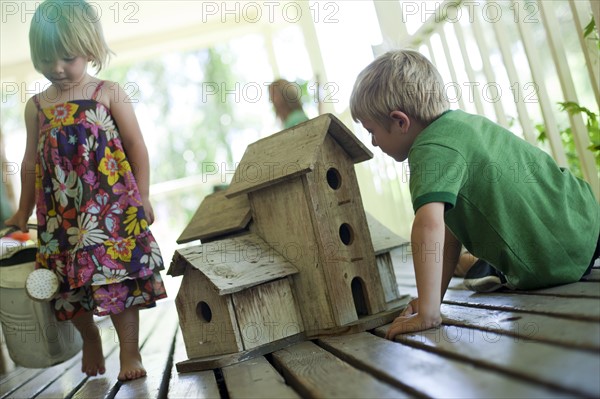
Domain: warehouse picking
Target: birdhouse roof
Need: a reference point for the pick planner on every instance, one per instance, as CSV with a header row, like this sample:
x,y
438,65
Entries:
x,y
217,216
291,153
234,264
383,239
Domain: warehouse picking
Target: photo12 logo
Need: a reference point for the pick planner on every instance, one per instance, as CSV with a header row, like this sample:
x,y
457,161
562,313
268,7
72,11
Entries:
x,y
269,11
118,11
456,11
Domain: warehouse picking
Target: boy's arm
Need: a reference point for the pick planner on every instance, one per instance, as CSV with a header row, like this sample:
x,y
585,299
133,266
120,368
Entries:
x,y
27,199
452,249
133,142
427,241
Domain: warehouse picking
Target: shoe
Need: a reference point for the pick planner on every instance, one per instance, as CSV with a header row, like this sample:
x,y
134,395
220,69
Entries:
x,y
483,277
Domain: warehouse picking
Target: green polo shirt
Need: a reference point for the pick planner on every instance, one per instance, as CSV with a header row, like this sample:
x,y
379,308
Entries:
x,y
506,200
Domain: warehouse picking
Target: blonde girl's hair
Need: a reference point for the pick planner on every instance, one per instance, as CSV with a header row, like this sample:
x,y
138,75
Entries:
x,y
67,28
401,80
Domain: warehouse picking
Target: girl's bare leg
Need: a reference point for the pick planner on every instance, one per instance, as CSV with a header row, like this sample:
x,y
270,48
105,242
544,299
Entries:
x,y
127,324
92,362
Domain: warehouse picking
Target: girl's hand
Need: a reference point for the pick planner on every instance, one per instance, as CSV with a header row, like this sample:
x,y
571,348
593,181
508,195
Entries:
x,y
19,220
148,210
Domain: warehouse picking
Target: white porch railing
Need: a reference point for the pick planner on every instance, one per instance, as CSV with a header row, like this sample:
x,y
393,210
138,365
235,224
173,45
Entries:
x,y
501,30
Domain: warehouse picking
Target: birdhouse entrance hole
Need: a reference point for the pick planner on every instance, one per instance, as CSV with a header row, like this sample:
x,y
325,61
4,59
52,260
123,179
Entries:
x,y
346,234
360,299
334,179
203,312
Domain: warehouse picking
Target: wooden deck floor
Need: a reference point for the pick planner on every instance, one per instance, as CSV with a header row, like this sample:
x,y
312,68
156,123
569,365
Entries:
x,y
535,344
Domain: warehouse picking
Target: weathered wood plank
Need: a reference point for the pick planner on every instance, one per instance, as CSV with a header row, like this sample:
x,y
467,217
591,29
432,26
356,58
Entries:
x,y
314,372
16,378
44,379
291,153
364,323
568,307
424,373
237,263
200,384
256,378
217,215
581,289
352,260
157,358
207,319
267,313
383,239
566,332
281,156
573,372
576,308
284,204
214,362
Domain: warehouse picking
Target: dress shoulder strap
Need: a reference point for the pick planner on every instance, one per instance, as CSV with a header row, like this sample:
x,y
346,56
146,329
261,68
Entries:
x,y
36,101
97,90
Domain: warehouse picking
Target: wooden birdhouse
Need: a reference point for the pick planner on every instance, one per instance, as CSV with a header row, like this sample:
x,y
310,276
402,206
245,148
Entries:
x,y
294,197
306,204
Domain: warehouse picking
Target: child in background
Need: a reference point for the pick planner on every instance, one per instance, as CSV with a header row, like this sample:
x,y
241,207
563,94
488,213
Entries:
x,y
86,171
529,223
286,99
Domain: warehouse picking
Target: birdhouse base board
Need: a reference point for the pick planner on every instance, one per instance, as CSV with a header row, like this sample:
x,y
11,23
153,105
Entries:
x,y
213,362
364,323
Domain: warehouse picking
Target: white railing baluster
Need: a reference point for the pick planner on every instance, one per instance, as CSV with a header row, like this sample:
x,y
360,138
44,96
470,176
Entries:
x,y
548,108
475,95
513,77
589,49
578,128
487,66
461,103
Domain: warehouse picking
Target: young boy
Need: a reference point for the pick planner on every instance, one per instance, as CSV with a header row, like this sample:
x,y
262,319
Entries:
x,y
472,182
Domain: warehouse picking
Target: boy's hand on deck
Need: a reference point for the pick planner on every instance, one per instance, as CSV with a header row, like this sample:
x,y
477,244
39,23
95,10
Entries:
x,y
412,323
411,308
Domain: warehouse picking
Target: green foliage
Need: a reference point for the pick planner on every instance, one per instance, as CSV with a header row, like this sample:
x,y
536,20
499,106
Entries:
x,y
566,135
590,33
572,108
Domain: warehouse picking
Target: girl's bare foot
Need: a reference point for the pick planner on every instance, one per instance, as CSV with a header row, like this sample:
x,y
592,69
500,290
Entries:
x,y
92,362
131,365
127,325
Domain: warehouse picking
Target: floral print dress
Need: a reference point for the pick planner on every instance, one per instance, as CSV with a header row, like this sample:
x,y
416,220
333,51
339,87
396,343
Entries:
x,y
92,230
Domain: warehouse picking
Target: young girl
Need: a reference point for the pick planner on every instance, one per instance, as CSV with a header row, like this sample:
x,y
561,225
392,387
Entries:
x,y
86,170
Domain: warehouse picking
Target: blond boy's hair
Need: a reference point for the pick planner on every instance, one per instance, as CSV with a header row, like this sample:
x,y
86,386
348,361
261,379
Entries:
x,y
401,80
68,28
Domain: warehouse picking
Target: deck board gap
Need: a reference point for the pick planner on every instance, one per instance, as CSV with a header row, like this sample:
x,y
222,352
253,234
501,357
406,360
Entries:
x,y
75,389
163,391
221,384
